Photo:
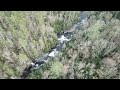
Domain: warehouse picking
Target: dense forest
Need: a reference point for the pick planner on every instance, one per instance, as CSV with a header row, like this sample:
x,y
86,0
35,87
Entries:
x,y
26,35
93,52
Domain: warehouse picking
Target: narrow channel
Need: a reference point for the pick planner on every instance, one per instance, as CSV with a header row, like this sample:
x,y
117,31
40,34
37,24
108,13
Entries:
x,y
62,38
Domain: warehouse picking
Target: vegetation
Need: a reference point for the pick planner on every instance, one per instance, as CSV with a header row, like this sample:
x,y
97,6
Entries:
x,y
27,35
93,53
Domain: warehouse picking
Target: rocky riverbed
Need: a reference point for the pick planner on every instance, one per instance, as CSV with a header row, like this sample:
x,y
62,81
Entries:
x,y
62,38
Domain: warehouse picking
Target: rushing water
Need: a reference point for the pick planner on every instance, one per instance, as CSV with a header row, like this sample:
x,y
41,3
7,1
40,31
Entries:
x,y
62,38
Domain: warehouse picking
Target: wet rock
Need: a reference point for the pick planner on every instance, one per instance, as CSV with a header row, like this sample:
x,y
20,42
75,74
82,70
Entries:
x,y
39,63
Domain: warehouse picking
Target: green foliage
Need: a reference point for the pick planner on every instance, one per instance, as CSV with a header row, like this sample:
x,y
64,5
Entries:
x,y
93,32
56,68
58,26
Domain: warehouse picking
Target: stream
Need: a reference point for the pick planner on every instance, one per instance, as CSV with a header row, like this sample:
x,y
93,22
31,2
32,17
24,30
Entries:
x,y
62,39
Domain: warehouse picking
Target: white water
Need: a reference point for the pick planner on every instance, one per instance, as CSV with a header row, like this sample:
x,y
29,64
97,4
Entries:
x,y
53,53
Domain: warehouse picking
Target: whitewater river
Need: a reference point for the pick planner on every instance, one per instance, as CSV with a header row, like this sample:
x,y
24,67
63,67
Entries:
x,y
62,38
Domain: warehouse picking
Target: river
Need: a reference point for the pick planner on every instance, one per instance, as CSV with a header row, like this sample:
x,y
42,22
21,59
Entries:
x,y
62,38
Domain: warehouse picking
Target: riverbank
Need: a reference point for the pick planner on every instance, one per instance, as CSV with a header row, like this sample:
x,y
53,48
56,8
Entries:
x,y
64,37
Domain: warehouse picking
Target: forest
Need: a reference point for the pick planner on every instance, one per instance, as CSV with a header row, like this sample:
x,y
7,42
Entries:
x,y
92,53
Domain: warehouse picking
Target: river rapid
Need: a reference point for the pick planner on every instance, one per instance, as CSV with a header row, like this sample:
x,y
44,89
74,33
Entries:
x,y
62,39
